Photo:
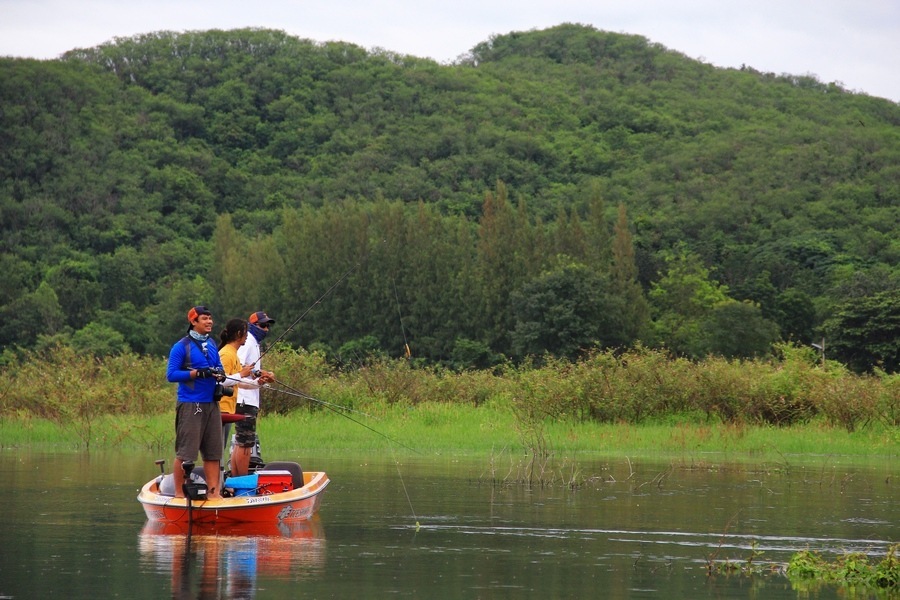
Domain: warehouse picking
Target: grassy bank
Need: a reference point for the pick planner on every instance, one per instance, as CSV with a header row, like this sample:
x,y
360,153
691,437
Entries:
x,y
440,428
637,402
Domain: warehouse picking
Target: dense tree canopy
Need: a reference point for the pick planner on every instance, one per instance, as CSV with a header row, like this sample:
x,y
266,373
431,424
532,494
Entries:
x,y
865,332
705,210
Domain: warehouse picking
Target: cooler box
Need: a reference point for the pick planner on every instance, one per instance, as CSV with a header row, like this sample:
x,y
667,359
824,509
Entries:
x,y
274,482
244,485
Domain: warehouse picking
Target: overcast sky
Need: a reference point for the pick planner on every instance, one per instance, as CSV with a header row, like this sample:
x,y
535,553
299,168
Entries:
x,y
853,42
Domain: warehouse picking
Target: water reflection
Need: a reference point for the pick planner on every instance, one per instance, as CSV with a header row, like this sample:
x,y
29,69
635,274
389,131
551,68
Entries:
x,y
225,562
71,526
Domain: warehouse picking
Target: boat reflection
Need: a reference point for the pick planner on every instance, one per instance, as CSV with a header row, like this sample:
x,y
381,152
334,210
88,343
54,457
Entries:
x,y
225,562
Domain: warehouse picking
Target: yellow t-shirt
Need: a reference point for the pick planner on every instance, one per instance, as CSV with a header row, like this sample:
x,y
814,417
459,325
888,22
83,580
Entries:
x,y
231,364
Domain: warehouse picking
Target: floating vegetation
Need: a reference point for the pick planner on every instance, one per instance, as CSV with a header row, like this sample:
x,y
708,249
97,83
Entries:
x,y
808,570
853,569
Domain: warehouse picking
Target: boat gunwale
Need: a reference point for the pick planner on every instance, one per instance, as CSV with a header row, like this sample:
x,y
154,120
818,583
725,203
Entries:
x,y
318,482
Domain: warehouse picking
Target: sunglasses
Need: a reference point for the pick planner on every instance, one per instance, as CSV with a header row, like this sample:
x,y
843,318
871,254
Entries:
x,y
263,325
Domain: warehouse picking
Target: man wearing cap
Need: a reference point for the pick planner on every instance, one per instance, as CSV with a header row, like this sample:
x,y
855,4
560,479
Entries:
x,y
246,438
195,366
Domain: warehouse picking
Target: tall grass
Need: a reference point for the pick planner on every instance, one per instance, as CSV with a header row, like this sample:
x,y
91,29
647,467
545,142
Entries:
x,y
490,430
527,405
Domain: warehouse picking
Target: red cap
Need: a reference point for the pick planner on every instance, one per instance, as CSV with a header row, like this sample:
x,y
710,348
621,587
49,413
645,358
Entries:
x,y
196,311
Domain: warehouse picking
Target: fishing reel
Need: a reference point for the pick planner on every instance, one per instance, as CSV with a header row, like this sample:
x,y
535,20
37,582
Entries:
x,y
221,390
216,372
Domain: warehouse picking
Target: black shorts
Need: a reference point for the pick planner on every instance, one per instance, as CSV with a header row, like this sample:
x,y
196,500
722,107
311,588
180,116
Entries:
x,y
245,429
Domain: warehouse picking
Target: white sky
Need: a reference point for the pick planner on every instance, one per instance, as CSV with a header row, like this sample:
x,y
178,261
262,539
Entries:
x,y
853,42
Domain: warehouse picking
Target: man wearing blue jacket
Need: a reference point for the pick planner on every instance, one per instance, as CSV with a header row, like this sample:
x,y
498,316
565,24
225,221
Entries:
x,y
195,366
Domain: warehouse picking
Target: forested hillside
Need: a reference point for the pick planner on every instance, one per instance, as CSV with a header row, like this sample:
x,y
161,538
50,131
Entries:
x,y
552,191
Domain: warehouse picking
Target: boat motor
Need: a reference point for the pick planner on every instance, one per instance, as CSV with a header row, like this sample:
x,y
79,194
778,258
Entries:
x,y
195,490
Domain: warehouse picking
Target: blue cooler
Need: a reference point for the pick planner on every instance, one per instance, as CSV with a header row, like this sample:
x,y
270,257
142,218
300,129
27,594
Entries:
x,y
245,485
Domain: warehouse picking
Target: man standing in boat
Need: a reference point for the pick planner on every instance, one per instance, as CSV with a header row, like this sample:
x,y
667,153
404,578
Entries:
x,y
246,439
195,366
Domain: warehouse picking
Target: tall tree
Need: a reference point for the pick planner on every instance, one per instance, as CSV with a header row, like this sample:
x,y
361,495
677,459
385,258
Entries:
x,y
501,266
634,305
32,314
168,319
565,312
682,298
694,316
76,286
597,231
247,274
437,305
569,237
864,333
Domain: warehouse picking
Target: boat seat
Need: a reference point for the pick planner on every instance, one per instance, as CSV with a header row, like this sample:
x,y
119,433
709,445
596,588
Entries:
x,y
292,467
231,418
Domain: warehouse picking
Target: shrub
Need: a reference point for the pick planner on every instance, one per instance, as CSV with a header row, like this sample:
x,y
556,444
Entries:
x,y
61,384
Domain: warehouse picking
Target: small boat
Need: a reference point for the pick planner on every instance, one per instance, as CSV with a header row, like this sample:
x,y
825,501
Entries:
x,y
281,493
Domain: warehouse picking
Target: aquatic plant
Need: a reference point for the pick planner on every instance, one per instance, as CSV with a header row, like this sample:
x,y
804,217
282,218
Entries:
x,y
808,570
851,569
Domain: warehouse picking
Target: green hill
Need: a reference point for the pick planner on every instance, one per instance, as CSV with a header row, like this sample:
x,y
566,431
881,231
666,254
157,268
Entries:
x,y
550,191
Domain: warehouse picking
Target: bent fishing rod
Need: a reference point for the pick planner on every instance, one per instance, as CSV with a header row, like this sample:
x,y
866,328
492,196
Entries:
x,y
292,392
337,408
299,394
307,311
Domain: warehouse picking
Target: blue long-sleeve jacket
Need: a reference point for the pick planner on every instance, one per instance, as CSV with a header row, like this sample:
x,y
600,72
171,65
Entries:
x,y
185,355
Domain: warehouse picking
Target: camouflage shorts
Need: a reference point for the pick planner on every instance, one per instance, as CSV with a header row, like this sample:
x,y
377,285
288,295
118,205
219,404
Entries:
x,y
245,429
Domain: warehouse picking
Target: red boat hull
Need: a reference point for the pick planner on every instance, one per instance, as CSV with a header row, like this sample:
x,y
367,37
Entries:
x,y
294,505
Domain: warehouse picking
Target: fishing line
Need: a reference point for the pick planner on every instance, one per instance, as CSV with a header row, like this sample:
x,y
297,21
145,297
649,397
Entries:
x,y
313,305
336,408
292,392
403,484
318,301
408,355
299,394
400,315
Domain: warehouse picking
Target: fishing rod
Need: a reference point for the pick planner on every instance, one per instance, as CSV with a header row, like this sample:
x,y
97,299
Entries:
x,y
336,408
311,306
303,395
400,315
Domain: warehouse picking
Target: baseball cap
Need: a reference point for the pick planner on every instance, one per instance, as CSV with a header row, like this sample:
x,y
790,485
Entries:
x,y
260,317
196,311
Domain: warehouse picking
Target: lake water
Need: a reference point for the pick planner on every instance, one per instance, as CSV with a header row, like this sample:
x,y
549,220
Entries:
x,y
72,528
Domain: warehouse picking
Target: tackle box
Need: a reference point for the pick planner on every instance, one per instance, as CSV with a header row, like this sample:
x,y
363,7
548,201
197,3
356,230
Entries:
x,y
274,482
